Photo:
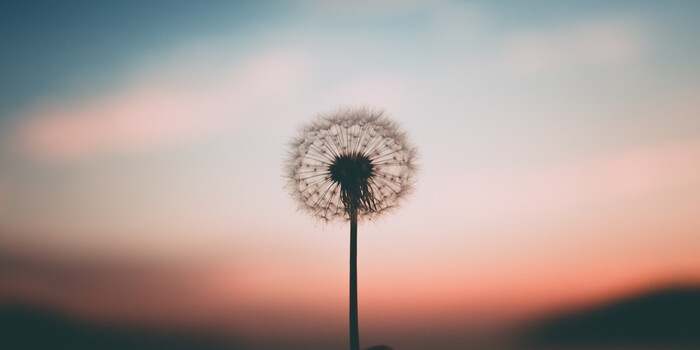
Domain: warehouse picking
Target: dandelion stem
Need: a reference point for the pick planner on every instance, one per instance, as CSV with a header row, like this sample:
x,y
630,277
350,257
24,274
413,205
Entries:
x,y
354,328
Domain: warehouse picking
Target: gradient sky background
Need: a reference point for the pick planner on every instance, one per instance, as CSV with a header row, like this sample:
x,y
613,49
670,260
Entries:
x,y
141,150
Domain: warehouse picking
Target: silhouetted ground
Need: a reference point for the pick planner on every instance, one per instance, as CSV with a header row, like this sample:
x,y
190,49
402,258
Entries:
x,y
29,328
663,319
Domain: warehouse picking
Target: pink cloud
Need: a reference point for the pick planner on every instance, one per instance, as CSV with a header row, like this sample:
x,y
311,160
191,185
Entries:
x,y
158,111
600,43
546,190
627,174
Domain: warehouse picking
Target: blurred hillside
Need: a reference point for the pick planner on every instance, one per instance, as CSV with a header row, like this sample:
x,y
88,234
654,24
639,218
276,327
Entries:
x,y
664,319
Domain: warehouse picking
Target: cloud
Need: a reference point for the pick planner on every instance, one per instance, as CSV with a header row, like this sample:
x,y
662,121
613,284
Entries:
x,y
136,291
542,191
627,174
159,108
217,293
595,43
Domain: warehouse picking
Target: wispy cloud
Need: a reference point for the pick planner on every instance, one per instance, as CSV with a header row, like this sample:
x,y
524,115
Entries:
x,y
547,190
160,109
593,43
621,175
102,289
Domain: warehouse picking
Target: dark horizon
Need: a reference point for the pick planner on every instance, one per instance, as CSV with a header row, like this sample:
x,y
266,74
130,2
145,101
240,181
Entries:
x,y
660,318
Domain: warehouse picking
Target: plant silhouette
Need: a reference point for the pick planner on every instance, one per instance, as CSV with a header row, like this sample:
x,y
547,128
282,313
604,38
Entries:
x,y
351,165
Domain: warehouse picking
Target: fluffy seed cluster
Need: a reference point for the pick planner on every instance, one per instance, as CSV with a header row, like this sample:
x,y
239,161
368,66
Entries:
x,y
354,160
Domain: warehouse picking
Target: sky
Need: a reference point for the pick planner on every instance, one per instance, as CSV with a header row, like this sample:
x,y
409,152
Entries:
x,y
142,147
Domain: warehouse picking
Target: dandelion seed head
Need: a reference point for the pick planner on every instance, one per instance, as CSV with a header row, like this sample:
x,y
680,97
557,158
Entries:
x,y
356,159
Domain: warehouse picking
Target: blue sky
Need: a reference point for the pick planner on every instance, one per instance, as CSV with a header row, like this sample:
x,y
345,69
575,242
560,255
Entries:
x,y
55,46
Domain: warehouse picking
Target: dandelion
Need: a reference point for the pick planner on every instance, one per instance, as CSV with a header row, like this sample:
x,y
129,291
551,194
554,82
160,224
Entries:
x,y
351,165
